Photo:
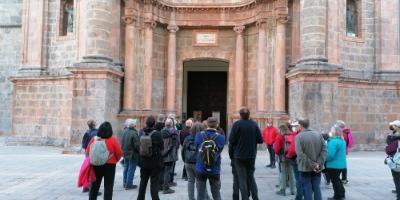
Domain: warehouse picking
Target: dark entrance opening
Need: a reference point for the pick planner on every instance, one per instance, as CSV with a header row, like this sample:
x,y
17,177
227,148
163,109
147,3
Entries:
x,y
207,95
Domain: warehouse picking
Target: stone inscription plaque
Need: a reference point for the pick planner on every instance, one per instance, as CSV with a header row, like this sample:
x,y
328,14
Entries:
x,y
203,38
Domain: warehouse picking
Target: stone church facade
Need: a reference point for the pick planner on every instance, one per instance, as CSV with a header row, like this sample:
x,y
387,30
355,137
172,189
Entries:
x,y
63,62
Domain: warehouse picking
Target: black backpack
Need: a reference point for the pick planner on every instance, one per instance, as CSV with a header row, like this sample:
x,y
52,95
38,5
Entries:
x,y
189,150
208,149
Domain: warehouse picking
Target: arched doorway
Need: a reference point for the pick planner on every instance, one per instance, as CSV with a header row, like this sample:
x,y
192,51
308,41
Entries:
x,y
205,89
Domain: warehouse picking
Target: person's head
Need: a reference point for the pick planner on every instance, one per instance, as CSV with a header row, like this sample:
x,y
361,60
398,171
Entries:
x,y
269,122
244,113
150,121
161,118
212,122
189,123
284,129
304,123
295,126
196,128
131,123
105,130
396,125
341,124
169,123
336,131
171,116
91,124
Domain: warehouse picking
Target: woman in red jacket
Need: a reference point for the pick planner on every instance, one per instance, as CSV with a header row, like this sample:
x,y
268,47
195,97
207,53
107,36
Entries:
x,y
107,170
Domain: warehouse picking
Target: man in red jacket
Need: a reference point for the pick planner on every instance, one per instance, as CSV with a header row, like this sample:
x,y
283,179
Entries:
x,y
269,135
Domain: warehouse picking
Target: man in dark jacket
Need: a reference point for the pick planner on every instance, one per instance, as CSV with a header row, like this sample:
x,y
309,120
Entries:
x,y
182,135
244,137
150,167
130,149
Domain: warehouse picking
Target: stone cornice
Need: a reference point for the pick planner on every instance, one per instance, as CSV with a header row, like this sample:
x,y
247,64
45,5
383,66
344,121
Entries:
x,y
202,6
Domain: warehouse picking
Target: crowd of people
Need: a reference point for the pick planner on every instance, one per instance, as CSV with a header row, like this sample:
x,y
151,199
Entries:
x,y
301,155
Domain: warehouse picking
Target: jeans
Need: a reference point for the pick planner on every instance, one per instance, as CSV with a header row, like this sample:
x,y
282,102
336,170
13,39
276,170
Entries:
x,y
245,171
215,184
271,154
145,174
168,169
287,175
311,185
299,186
191,174
338,189
129,172
396,179
108,172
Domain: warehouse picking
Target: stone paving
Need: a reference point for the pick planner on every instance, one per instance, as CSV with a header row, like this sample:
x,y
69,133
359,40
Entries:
x,y
28,172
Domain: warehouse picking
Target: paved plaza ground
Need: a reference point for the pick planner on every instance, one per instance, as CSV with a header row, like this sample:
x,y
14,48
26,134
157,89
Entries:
x,y
28,172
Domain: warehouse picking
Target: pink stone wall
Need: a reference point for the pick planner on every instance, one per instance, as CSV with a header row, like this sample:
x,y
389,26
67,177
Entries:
x,y
159,68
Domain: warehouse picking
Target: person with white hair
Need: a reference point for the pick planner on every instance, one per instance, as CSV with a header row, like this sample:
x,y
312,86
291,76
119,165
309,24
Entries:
x,y
130,147
170,154
336,161
182,135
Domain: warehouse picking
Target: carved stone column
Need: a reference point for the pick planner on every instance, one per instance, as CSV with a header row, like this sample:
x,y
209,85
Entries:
x,y
148,71
261,53
171,74
280,58
239,70
129,82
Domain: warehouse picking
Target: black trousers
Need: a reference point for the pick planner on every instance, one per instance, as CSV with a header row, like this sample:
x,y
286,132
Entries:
x,y
396,179
338,189
344,174
245,171
108,172
271,154
145,174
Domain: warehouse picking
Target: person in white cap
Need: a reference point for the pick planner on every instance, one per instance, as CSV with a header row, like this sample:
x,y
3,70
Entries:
x,y
392,141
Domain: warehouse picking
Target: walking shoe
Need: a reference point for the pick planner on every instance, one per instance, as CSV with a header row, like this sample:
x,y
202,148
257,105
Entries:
x,y
332,198
394,191
345,182
172,184
85,190
273,166
130,187
268,165
281,192
169,191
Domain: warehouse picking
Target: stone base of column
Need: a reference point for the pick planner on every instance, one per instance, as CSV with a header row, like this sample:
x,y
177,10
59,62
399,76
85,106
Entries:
x,y
313,93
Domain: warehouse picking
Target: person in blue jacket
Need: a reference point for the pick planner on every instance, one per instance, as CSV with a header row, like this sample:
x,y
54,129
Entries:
x,y
209,172
336,161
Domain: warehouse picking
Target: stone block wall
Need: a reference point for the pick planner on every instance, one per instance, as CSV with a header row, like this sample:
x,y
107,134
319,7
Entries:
x,y
10,48
359,53
367,108
159,67
61,50
42,111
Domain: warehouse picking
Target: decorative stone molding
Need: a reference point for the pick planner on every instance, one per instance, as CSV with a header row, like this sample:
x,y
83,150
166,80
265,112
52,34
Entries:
x,y
129,19
173,28
260,24
281,11
150,24
239,29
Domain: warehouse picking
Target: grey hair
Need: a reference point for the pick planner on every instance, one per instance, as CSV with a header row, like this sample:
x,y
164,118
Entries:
x,y
336,131
131,123
197,127
161,118
341,124
169,122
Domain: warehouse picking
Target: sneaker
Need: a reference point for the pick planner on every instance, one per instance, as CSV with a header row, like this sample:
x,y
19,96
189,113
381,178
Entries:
x,y
394,191
281,192
130,187
345,182
169,191
268,165
173,184
85,190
